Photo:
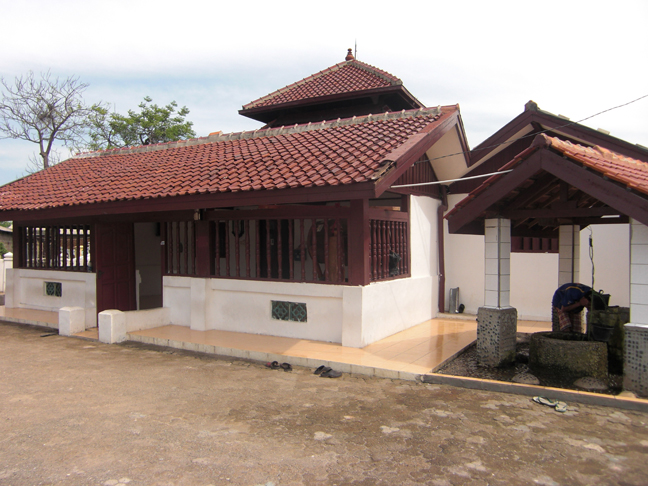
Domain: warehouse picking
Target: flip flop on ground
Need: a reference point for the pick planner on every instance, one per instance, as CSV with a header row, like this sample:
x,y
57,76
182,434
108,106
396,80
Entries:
x,y
321,369
331,374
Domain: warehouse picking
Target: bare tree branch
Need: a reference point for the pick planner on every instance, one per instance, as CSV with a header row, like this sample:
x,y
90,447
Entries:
x,y
44,111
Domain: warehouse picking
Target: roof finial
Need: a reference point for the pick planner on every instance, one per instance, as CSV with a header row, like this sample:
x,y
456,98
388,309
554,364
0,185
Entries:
x,y
349,56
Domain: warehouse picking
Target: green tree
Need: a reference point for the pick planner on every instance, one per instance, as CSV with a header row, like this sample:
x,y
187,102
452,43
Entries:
x,y
152,124
44,111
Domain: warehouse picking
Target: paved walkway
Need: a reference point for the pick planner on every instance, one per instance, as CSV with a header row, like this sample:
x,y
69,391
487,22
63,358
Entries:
x,y
405,355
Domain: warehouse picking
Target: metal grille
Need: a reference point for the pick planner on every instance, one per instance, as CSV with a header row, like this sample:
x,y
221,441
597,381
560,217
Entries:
x,y
289,311
54,289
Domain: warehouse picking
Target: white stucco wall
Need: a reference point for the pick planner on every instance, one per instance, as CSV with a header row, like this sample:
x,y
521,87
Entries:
x,y
611,261
176,295
534,279
464,264
534,276
25,289
245,306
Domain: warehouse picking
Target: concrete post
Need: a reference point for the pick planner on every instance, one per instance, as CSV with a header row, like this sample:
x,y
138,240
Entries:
x,y
568,254
497,320
71,320
112,326
635,377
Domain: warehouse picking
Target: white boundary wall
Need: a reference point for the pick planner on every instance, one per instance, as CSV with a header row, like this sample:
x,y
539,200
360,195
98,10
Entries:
x,y
6,262
25,288
353,316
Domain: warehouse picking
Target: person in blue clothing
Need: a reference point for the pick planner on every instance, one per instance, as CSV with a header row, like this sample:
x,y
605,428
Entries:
x,y
568,303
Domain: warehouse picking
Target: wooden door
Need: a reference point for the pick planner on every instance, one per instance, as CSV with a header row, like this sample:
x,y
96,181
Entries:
x,y
115,257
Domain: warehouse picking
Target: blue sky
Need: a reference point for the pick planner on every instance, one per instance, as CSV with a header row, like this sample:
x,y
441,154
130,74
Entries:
x,y
573,58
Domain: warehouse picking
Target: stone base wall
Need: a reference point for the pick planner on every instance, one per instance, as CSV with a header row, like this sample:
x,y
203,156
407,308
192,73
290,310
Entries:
x,y
568,354
496,335
635,377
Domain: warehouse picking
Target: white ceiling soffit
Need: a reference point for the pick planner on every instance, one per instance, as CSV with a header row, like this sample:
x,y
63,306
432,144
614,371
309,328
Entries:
x,y
447,157
495,150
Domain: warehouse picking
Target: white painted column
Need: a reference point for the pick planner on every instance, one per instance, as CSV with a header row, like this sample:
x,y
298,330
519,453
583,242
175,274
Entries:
x,y
569,254
638,273
497,282
636,331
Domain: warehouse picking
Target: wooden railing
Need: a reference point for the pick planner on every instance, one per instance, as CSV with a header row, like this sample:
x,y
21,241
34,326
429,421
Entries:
x,y
180,248
389,247
294,250
55,247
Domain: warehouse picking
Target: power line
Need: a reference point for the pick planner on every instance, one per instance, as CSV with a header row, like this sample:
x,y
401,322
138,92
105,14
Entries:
x,y
544,131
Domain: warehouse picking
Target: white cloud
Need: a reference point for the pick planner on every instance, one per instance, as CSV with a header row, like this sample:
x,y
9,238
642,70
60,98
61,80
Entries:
x,y
574,58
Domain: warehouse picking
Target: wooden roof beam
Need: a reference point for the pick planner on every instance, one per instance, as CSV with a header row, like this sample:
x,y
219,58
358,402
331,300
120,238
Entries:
x,y
622,199
495,192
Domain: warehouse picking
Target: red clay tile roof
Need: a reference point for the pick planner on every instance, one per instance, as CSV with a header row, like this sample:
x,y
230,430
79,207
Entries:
x,y
628,171
348,151
631,172
345,77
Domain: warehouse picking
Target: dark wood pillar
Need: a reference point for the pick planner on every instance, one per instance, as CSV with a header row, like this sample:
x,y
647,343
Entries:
x,y
203,253
17,249
359,243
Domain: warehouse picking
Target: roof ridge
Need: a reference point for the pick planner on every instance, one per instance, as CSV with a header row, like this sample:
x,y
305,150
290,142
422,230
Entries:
x,y
368,68
265,132
288,87
384,75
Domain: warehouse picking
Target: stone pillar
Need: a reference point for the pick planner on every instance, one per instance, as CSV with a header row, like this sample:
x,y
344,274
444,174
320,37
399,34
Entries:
x,y
497,320
112,326
568,254
71,320
636,331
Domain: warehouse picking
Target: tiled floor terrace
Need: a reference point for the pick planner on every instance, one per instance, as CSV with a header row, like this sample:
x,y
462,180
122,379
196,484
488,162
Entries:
x,y
407,354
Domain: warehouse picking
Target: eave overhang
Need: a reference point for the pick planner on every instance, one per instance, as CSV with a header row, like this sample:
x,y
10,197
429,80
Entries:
x,y
265,113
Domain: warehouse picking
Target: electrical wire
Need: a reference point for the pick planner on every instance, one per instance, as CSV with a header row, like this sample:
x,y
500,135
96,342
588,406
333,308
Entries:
x,y
508,142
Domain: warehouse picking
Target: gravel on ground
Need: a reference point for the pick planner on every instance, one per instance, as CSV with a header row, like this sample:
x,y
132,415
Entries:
x,y
78,412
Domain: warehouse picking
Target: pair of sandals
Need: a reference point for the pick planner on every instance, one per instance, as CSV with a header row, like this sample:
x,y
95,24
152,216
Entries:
x,y
326,372
276,366
557,405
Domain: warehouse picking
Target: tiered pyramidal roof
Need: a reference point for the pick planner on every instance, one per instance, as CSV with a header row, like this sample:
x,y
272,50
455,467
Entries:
x,y
345,89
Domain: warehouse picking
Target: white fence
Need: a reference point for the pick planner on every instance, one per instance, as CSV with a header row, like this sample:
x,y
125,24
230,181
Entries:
x,y
5,263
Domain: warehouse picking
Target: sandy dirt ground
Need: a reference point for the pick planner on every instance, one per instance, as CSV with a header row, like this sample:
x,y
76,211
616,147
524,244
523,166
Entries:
x,y
77,412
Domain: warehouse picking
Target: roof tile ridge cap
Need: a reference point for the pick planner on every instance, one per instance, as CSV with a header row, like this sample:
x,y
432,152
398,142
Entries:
x,y
290,86
391,159
384,75
543,140
138,149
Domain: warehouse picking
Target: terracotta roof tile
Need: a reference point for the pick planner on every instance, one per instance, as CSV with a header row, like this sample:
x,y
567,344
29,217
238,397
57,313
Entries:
x,y
331,154
631,172
345,77
628,171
